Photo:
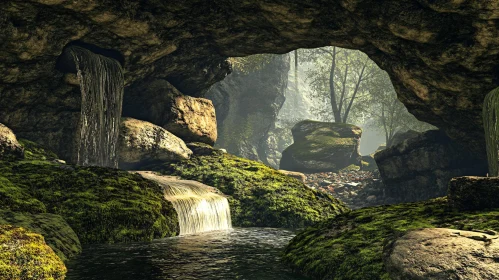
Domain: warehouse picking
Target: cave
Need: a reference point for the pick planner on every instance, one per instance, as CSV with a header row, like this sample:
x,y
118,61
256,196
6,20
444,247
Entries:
x,y
175,56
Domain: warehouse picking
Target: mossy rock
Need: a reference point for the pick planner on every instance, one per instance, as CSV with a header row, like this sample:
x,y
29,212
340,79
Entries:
x,y
34,151
58,234
350,246
258,195
24,255
102,205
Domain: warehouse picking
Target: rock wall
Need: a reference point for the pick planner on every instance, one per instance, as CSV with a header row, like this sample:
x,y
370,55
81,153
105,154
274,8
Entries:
x,y
441,55
247,105
421,167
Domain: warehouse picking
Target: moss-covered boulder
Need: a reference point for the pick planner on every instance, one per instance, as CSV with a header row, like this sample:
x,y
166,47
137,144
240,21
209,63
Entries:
x,y
24,255
322,147
58,234
258,195
350,246
100,204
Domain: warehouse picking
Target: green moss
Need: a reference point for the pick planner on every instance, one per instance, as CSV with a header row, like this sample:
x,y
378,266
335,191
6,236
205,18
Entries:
x,y
18,199
58,234
351,167
100,204
350,246
33,151
24,255
258,195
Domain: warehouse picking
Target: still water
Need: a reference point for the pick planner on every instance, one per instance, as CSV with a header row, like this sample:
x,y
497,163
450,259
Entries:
x,y
242,253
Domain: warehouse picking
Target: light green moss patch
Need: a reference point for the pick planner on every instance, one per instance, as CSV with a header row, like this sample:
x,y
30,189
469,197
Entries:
x,y
58,234
33,151
258,195
24,255
350,246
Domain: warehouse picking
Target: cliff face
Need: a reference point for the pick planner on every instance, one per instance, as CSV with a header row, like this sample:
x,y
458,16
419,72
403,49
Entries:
x,y
441,55
247,105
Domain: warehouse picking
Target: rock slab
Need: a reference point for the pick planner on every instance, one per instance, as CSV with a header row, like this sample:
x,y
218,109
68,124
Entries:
x,y
443,254
474,193
143,142
322,147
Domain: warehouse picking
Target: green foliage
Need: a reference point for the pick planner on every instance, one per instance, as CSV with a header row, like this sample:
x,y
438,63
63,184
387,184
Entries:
x,y
491,126
24,255
100,204
259,195
350,246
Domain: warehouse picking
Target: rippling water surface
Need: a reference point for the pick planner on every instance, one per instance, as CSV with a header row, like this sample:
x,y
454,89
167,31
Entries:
x,y
243,253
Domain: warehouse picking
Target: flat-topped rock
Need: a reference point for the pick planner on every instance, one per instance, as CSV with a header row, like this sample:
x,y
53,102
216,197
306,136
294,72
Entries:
x,y
443,254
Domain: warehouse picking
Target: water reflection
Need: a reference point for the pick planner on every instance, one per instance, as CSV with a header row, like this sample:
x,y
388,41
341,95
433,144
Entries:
x,y
249,253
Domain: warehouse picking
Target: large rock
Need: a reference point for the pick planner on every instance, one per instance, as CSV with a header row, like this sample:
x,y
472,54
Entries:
x,y
322,147
247,105
159,102
443,254
420,168
401,136
9,147
24,255
474,193
143,142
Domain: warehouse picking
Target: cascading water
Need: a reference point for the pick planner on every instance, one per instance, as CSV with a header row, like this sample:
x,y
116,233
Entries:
x,y
102,86
199,208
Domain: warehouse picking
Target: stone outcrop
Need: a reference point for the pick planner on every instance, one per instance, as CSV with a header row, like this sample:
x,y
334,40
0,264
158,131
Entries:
x,y
473,193
143,142
442,254
322,147
9,147
247,105
420,168
203,149
159,102
25,255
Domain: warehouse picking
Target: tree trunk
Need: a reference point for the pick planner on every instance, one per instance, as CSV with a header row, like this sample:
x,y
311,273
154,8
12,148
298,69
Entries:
x,y
332,93
347,111
491,126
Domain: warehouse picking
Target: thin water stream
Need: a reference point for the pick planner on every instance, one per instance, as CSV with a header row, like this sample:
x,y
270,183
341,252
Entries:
x,y
242,253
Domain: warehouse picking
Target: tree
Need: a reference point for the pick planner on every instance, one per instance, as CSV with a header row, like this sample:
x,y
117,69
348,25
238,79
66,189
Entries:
x,y
338,79
386,111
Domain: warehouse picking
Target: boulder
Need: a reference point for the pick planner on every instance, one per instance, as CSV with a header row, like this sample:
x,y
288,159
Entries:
x,y
322,147
25,255
420,168
474,193
297,175
443,254
56,231
9,147
143,142
368,163
157,101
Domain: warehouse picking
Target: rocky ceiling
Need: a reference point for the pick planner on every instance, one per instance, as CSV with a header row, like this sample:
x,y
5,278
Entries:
x,y
441,55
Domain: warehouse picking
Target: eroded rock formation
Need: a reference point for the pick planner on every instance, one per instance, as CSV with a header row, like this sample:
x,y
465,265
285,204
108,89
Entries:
x,y
247,105
9,147
441,55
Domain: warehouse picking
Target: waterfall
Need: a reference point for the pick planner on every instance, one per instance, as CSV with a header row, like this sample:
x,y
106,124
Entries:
x,y
102,85
198,206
